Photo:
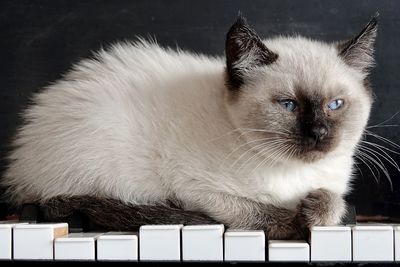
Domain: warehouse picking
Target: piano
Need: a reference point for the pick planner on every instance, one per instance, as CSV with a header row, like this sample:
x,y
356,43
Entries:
x,y
29,238
361,243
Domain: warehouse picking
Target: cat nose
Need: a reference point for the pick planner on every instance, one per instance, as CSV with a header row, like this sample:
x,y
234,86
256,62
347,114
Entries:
x,y
319,132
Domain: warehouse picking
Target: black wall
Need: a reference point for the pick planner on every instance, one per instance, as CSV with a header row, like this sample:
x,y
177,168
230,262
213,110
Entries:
x,y
39,40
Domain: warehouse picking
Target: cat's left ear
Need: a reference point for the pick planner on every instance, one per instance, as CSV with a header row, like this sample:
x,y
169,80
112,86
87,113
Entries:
x,y
358,52
244,51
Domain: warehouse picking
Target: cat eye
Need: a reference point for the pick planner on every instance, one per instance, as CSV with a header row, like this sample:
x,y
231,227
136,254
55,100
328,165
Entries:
x,y
289,105
336,104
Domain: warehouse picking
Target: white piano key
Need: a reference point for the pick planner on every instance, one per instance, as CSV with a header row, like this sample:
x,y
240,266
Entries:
x,y
331,243
160,242
288,250
244,245
76,246
6,229
397,243
121,246
373,243
203,242
35,241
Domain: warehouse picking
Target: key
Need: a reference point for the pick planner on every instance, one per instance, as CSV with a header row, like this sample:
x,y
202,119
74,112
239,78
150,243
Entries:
x,y
76,246
244,245
288,250
35,241
397,242
373,243
122,246
203,242
160,242
6,233
331,243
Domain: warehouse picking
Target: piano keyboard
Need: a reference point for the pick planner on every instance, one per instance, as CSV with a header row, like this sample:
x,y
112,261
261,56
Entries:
x,y
52,241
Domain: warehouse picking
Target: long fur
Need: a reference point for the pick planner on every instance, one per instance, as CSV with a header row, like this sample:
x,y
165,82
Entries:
x,y
114,215
145,125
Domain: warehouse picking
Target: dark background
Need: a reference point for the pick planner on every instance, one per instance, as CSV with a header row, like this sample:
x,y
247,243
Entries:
x,y
39,40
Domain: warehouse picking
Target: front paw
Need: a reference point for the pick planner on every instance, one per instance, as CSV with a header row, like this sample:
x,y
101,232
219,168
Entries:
x,y
321,207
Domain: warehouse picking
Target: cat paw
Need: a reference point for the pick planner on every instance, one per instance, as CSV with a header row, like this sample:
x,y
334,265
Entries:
x,y
283,224
321,207
286,231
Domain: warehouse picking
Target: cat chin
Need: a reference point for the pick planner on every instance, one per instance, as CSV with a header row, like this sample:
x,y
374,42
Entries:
x,y
309,156
301,158
304,155
312,157
318,152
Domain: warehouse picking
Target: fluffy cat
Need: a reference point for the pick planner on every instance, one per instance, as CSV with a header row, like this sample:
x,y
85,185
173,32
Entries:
x,y
261,139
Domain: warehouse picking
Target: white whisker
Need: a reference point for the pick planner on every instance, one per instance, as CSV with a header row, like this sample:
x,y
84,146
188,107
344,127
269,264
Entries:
x,y
265,130
248,150
380,146
247,143
384,155
378,163
266,158
275,156
269,145
360,156
391,117
383,126
383,139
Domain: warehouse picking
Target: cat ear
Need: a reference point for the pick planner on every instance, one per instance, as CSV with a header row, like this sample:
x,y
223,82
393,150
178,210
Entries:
x,y
358,52
244,51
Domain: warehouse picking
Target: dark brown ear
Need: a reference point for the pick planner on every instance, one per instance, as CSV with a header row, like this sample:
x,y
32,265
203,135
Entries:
x,y
358,52
244,51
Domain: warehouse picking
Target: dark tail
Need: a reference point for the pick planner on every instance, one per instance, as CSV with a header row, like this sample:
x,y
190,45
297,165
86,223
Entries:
x,y
113,215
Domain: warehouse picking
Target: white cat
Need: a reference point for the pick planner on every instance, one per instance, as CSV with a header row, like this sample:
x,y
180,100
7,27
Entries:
x,y
261,139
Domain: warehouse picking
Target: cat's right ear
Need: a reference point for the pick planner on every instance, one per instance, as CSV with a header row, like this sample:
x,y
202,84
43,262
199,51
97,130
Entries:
x,y
358,51
244,51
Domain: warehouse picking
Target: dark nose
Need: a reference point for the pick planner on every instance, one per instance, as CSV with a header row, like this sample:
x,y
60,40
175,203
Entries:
x,y
319,132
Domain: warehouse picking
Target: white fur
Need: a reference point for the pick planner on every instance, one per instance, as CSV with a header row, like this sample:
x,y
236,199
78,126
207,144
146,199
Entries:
x,y
144,124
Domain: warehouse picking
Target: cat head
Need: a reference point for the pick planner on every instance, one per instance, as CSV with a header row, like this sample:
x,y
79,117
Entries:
x,y
302,99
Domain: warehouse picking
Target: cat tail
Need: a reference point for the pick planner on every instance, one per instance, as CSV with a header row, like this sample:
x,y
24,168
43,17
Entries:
x,y
114,215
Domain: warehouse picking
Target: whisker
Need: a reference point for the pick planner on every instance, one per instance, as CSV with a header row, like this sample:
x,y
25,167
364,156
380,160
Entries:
x,y
382,126
280,148
276,155
371,153
250,130
225,134
247,143
383,139
358,168
385,156
359,156
250,149
265,157
380,146
267,146
391,117
367,159
379,164
270,148
246,129
265,130
282,155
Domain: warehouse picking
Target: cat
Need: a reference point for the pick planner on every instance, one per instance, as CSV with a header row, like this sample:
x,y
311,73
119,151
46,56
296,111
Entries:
x,y
261,138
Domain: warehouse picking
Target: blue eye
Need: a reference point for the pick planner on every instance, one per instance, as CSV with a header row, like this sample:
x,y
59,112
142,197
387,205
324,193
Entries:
x,y
289,105
336,104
